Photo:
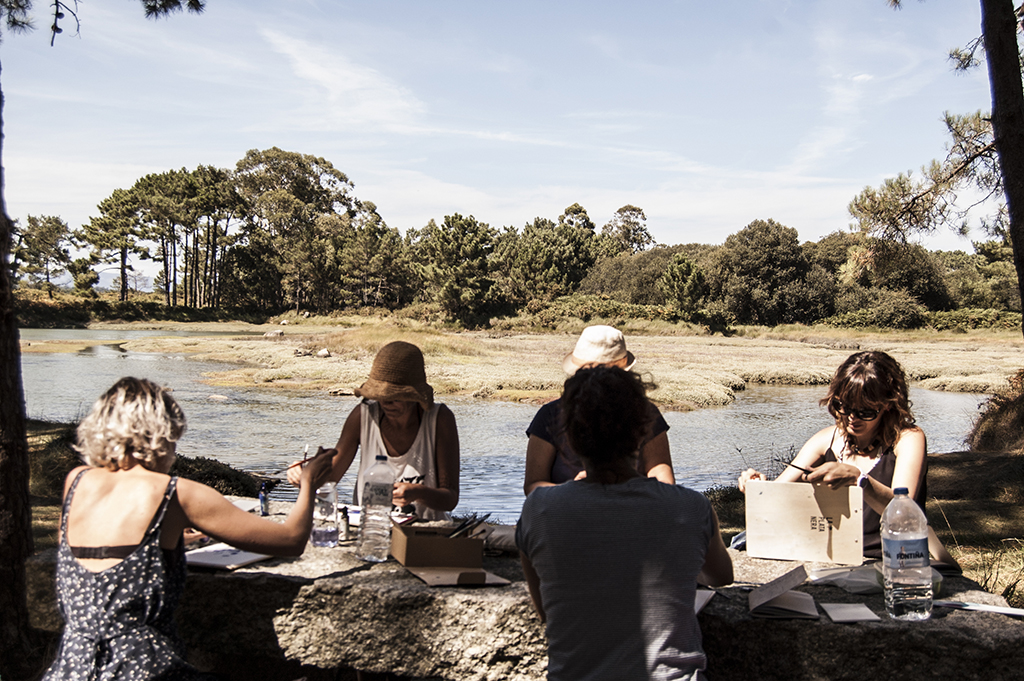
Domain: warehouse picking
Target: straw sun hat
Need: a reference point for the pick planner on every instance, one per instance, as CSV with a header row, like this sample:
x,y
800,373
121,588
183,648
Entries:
x,y
598,345
397,375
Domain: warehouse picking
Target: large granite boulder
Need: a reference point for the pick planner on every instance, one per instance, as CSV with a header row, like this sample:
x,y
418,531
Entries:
x,y
284,618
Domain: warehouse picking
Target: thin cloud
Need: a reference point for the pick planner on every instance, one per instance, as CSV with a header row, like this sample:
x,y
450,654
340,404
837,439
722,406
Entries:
x,y
342,93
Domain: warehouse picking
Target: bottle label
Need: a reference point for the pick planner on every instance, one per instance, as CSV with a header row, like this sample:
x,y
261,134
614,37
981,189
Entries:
x,y
905,553
376,495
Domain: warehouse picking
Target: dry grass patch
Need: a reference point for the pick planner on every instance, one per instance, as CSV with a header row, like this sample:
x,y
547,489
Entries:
x,y
61,347
976,505
50,458
691,371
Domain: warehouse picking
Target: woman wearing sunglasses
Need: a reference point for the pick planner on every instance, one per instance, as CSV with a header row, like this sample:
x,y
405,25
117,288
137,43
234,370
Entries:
x,y
874,443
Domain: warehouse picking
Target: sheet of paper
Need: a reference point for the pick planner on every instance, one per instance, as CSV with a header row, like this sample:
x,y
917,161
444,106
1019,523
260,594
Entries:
x,y
790,605
849,612
222,556
777,587
703,596
980,607
246,504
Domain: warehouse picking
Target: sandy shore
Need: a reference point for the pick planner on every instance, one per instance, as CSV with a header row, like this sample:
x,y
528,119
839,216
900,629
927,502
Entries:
x,y
690,371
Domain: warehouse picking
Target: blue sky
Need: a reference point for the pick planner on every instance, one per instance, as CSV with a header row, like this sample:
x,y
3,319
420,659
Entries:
x,y
707,115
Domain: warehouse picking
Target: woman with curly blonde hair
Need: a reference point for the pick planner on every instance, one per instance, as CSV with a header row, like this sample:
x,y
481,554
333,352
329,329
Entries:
x,y
121,562
874,442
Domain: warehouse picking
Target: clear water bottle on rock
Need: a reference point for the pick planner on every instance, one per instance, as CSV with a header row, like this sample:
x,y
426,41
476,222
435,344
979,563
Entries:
x,y
905,567
378,483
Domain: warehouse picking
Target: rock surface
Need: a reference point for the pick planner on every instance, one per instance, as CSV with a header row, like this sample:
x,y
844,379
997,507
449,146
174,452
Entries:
x,y
329,610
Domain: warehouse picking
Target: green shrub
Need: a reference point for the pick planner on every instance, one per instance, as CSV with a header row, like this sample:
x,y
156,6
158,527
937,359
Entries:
x,y
973,318
589,307
891,310
67,311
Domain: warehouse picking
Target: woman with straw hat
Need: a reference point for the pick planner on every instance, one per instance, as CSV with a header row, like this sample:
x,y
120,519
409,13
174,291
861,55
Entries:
x,y
399,418
550,459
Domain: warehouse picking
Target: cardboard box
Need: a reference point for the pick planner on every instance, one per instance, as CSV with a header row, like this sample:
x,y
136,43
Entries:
x,y
414,546
428,553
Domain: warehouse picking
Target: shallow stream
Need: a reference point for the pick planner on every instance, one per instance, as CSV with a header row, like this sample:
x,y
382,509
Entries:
x,y
261,430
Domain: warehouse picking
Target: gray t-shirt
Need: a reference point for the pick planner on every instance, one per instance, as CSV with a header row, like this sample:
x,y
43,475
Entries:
x,y
618,566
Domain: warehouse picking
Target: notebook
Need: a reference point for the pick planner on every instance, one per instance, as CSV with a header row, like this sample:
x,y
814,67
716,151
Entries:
x,y
222,556
805,521
777,600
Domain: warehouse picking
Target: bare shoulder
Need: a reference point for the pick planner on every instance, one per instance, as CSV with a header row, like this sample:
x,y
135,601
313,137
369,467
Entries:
x,y
912,438
72,475
445,417
190,492
823,438
356,415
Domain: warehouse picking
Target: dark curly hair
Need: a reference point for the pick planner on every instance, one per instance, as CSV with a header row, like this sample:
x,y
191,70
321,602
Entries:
x,y
605,413
875,380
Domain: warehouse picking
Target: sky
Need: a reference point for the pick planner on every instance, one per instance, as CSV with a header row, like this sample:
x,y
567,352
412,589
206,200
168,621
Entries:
x,y
707,115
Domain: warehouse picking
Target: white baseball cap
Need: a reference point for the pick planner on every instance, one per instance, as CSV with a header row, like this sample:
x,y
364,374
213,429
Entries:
x,y
598,344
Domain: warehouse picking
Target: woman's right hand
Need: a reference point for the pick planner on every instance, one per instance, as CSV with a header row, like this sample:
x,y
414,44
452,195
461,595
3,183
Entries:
x,y
749,474
295,473
317,471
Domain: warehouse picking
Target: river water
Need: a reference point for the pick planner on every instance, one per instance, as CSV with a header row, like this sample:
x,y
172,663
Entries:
x,y
262,430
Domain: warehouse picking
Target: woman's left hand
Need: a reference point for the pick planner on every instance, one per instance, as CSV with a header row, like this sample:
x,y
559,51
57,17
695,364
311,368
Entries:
x,y
404,493
834,474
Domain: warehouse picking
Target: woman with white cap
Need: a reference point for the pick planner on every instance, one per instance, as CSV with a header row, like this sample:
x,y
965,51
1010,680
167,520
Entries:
x,y
550,459
399,418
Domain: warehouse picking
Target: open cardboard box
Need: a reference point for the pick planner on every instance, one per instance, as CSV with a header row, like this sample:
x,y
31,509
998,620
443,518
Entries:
x,y
431,555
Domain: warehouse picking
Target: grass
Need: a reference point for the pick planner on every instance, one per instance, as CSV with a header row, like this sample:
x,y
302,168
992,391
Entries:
x,y
690,371
976,506
50,459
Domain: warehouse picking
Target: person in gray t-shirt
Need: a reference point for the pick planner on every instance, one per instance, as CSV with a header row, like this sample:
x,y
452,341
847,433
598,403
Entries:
x,y
612,561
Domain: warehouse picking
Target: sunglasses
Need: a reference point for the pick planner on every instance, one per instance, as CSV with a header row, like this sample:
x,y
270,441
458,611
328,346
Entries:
x,y
862,414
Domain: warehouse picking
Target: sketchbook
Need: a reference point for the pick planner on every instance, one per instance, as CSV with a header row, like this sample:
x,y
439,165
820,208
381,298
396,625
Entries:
x,y
849,612
777,600
805,521
222,556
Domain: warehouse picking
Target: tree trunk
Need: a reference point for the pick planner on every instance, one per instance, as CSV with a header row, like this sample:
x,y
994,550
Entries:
x,y
174,268
124,273
167,272
999,28
15,511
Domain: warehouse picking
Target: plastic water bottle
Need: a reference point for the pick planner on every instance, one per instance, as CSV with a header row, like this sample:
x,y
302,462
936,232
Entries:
x,y
264,499
378,483
905,568
325,516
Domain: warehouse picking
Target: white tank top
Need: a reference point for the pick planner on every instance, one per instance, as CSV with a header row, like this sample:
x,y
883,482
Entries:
x,y
418,465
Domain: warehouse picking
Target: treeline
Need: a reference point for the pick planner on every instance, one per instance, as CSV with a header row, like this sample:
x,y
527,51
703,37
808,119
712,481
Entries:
x,y
284,230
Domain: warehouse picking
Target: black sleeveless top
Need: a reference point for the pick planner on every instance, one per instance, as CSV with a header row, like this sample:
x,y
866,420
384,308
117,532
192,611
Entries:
x,y
882,472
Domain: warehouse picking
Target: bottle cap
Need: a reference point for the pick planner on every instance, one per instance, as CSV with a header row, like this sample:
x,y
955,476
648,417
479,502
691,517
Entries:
x,y
901,490
381,457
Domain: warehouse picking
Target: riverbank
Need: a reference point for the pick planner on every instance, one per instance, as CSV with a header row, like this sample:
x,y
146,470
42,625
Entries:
x,y
690,371
974,501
